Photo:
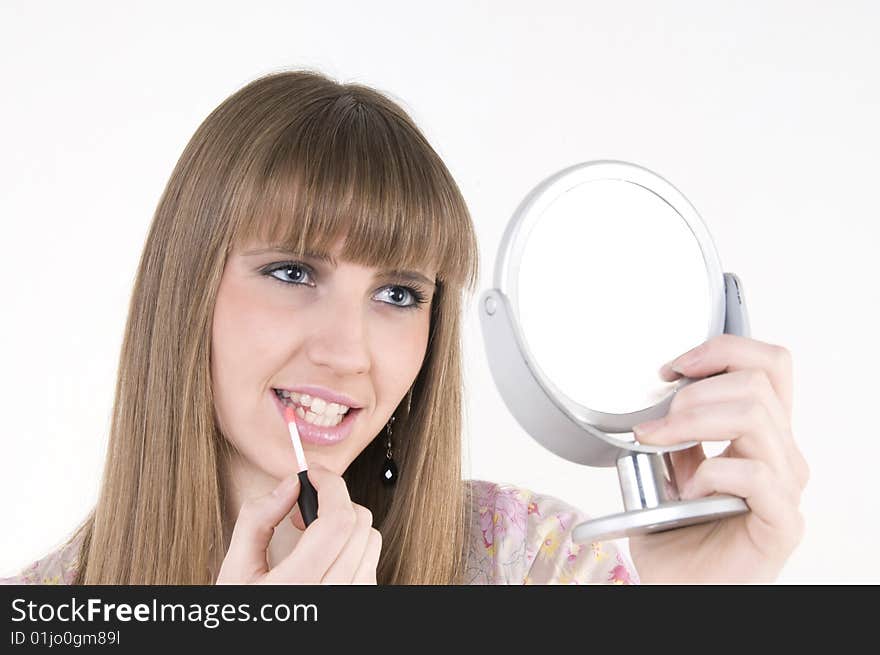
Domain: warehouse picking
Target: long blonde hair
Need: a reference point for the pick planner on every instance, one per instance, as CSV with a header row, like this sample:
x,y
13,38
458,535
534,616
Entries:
x,y
296,159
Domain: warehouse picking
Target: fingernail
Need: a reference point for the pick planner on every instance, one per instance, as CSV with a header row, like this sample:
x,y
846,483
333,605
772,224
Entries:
x,y
648,427
679,364
666,371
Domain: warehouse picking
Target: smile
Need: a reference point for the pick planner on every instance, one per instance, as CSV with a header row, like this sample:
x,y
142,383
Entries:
x,y
318,422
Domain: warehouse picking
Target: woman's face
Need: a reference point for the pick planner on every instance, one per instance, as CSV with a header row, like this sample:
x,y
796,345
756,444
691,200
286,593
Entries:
x,y
281,322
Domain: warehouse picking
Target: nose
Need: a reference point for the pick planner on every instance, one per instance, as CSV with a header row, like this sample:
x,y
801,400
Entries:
x,y
338,338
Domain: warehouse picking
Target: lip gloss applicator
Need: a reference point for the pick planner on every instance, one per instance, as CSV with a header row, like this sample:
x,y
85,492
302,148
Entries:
x,y
308,497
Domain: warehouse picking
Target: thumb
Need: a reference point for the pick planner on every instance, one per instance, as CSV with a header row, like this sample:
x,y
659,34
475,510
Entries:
x,y
256,523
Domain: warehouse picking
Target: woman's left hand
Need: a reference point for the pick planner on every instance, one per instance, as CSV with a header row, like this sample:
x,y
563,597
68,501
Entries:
x,y
748,402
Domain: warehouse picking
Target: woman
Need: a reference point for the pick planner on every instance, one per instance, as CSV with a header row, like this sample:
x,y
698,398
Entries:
x,y
311,248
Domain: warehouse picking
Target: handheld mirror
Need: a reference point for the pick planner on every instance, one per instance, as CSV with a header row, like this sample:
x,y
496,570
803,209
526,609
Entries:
x,y
604,273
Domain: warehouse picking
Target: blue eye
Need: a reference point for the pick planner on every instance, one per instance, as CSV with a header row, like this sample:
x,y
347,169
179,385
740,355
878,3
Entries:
x,y
290,270
286,269
417,296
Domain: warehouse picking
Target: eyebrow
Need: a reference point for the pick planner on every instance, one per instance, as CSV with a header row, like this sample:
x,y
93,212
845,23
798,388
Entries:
x,y
407,275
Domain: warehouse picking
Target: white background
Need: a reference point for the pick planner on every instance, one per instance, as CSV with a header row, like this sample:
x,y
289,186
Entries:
x,y
763,113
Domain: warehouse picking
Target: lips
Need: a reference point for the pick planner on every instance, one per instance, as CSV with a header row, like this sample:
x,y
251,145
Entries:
x,y
320,435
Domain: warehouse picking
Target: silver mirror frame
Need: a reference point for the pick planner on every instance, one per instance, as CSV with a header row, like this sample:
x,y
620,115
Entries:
x,y
564,427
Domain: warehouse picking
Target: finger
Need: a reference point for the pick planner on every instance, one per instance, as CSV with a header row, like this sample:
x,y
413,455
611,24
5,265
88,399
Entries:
x,y
685,462
741,385
746,424
775,520
325,537
729,352
667,374
343,569
366,572
246,557
736,385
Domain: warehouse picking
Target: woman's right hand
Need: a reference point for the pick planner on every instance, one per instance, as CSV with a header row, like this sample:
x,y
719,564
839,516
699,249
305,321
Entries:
x,y
339,547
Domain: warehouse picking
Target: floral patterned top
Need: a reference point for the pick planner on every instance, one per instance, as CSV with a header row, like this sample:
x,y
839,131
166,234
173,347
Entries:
x,y
521,537
517,537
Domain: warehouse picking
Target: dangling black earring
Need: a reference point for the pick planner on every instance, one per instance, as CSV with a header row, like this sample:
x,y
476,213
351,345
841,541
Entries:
x,y
389,468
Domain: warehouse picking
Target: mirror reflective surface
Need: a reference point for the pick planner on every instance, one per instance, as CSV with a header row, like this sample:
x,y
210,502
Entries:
x,y
612,284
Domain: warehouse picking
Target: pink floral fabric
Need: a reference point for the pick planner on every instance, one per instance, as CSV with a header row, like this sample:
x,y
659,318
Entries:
x,y
521,537
58,567
517,537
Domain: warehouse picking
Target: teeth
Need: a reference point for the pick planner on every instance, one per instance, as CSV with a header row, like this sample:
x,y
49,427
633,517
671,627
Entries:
x,y
316,405
327,414
322,420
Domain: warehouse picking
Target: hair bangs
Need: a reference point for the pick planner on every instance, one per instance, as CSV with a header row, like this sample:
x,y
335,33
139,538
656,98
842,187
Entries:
x,y
350,171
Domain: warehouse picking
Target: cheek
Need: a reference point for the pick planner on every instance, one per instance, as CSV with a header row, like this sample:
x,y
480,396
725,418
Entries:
x,y
242,340
242,351
403,353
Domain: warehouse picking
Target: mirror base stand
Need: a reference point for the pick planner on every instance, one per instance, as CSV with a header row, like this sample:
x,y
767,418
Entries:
x,y
669,516
652,502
